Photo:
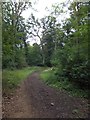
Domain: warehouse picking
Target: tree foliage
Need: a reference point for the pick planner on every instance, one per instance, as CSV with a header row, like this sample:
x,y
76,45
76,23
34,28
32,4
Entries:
x,y
13,34
72,58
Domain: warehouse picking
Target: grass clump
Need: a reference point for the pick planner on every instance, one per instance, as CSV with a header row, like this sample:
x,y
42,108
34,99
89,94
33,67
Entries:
x,y
11,79
49,77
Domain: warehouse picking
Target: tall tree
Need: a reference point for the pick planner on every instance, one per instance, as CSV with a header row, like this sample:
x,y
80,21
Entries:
x,y
12,34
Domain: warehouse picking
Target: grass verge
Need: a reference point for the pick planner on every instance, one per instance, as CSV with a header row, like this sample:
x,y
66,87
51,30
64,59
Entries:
x,y
11,79
50,79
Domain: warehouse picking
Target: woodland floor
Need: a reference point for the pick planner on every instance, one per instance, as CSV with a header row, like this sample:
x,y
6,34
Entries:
x,y
34,99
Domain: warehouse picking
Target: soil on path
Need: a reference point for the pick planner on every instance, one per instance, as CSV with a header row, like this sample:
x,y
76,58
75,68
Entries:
x,y
34,99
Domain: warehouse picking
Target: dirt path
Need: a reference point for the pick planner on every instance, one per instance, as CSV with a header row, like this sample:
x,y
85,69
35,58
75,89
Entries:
x,y
34,99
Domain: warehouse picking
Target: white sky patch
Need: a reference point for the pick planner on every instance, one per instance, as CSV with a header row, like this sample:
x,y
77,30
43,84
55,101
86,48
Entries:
x,y
40,7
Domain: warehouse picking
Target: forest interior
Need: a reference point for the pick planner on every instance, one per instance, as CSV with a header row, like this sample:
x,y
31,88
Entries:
x,y
45,64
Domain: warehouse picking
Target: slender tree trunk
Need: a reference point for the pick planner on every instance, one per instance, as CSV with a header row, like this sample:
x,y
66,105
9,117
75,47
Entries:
x,y
77,41
26,51
43,56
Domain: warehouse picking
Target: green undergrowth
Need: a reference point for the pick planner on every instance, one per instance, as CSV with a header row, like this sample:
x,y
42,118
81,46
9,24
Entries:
x,y
50,79
12,78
